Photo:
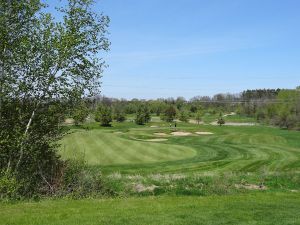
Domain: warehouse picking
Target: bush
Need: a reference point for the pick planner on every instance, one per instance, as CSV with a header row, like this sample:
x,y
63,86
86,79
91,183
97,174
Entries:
x,y
78,181
221,121
104,116
9,186
119,115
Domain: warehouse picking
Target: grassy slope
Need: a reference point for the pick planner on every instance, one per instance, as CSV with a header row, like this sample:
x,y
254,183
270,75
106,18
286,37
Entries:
x,y
256,208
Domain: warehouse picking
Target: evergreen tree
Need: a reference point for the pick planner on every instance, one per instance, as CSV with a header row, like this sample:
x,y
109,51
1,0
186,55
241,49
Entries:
x,y
169,114
119,114
104,116
142,115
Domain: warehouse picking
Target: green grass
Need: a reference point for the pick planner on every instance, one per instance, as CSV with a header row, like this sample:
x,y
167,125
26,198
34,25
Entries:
x,y
219,167
239,119
256,208
229,149
102,148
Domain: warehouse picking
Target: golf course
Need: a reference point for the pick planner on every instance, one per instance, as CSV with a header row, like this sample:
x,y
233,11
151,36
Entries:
x,y
183,175
129,148
149,112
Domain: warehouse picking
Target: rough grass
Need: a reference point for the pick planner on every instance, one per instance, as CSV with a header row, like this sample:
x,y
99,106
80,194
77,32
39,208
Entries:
x,y
257,208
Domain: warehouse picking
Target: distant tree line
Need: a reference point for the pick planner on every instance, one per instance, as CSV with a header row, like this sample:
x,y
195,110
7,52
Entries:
x,y
279,107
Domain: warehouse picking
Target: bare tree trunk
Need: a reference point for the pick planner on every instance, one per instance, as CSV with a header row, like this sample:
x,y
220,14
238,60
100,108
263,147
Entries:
x,y
45,180
8,166
1,82
25,136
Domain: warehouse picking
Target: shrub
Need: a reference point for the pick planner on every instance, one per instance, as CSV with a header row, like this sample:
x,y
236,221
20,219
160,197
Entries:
x,y
119,115
221,121
9,186
78,181
104,116
184,116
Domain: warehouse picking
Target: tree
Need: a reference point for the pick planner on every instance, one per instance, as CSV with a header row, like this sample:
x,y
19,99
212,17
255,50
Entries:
x,y
139,118
80,113
198,116
44,65
184,116
169,114
119,114
287,112
147,114
104,116
142,115
221,120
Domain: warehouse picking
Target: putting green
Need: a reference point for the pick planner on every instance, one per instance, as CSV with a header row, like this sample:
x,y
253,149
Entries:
x,y
102,148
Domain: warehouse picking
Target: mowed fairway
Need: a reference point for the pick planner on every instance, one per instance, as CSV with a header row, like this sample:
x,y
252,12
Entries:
x,y
127,149
102,148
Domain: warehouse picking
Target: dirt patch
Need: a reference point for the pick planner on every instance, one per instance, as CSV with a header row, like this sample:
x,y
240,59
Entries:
x,y
69,121
157,139
154,126
115,176
215,123
142,188
230,114
167,177
196,122
251,187
204,133
161,134
180,133
134,177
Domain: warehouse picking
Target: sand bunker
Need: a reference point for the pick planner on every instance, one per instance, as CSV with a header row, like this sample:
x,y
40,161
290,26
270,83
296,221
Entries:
x,y
233,124
157,139
196,122
204,133
160,134
179,133
230,114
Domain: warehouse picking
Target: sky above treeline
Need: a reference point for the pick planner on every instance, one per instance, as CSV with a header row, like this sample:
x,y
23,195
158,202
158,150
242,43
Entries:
x,y
170,48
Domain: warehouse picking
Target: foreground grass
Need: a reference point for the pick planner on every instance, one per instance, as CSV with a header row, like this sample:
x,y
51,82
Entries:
x,y
255,208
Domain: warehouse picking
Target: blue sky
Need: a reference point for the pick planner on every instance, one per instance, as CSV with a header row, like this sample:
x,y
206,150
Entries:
x,y
170,48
